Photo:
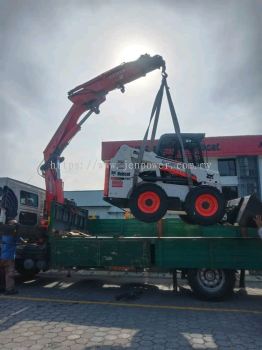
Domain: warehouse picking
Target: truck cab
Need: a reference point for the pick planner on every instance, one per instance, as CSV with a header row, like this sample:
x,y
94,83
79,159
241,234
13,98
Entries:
x,y
20,201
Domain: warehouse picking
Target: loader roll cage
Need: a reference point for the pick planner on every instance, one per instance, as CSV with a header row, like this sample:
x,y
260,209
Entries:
x,y
169,147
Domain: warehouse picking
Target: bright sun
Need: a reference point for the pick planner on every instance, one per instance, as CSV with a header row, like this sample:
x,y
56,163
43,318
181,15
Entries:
x,y
132,52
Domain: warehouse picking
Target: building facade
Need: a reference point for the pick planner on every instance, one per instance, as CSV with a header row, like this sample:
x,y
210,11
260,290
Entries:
x,y
237,158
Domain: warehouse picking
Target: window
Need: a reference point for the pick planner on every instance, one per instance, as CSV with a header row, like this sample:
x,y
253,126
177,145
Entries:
x,y
249,188
230,192
29,199
248,167
227,167
169,147
27,218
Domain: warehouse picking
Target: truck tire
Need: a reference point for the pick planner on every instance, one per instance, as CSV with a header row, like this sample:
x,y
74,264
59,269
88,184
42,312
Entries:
x,y
204,205
27,273
211,284
148,203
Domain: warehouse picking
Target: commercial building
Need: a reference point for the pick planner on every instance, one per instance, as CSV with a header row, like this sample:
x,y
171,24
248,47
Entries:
x,y
237,158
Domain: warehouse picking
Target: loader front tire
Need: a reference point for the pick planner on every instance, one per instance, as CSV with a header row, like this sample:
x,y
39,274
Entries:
x,y
204,205
186,219
148,202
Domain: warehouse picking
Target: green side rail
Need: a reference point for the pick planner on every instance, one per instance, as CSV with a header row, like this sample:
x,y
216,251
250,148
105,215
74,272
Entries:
x,y
131,243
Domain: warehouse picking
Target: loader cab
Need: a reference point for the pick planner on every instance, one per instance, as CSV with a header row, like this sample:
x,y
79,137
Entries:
x,y
168,147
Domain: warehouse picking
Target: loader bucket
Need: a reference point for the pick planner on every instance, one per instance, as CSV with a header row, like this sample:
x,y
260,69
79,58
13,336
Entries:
x,y
242,211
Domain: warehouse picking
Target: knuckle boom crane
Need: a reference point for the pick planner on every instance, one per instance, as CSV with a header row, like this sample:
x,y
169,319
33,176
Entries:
x,y
156,180
87,97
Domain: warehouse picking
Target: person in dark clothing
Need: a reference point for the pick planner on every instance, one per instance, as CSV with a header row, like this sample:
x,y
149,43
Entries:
x,y
8,250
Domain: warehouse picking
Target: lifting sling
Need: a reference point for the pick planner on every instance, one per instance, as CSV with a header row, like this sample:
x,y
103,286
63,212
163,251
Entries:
x,y
155,113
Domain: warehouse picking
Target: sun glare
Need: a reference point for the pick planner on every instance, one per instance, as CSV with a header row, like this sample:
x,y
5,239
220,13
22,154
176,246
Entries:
x,y
132,52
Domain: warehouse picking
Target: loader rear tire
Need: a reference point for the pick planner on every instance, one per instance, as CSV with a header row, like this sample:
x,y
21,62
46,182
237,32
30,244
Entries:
x,y
148,203
204,205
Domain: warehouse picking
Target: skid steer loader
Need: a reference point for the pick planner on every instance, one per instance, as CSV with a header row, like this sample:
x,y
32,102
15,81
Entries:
x,y
162,184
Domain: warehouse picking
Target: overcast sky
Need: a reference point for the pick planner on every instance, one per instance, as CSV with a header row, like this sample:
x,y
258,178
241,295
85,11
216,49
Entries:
x,y
213,51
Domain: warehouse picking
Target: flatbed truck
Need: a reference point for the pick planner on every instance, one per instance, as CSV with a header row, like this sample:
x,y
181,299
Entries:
x,y
208,256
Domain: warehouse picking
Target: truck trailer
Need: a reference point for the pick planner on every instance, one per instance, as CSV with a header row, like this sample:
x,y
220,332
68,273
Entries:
x,y
209,257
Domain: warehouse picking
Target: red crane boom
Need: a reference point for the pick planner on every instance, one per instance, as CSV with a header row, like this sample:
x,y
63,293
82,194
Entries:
x,y
87,97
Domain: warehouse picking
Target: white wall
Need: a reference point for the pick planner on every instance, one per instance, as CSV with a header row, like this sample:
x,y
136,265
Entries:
x,y
225,180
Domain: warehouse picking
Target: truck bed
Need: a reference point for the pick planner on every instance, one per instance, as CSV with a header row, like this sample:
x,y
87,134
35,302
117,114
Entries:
x,y
167,245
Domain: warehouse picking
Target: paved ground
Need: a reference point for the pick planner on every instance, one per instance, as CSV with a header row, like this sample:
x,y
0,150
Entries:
x,y
55,312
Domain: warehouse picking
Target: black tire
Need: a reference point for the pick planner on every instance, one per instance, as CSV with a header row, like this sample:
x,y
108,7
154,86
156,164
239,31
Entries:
x,y
211,284
204,205
148,203
186,219
31,273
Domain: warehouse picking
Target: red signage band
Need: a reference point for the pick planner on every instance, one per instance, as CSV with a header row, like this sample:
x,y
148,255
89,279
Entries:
x,y
217,146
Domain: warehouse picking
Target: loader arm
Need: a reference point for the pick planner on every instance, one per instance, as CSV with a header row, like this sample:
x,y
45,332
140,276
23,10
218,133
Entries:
x,y
87,97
